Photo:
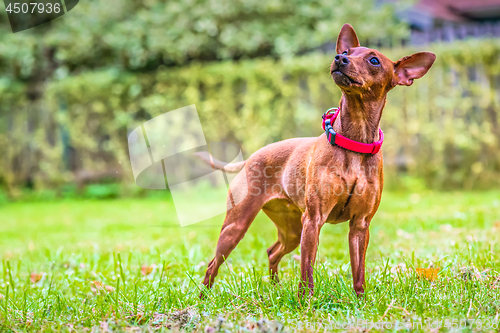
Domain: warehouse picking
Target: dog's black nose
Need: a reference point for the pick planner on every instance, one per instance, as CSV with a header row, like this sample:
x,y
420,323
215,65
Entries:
x,y
341,60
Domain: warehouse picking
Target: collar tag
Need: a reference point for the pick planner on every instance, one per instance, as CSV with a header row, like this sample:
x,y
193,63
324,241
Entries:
x,y
329,131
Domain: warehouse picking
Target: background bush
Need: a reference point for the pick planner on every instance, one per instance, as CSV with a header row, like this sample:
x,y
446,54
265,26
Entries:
x,y
444,129
72,89
142,35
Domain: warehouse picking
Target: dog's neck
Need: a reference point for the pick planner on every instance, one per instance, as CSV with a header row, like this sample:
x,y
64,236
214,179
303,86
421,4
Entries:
x,y
359,119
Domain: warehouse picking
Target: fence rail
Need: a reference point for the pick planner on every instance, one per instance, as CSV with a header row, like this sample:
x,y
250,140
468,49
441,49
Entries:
x,y
453,32
447,33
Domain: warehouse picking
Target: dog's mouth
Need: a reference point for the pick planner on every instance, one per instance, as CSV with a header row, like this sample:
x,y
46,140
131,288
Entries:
x,y
343,79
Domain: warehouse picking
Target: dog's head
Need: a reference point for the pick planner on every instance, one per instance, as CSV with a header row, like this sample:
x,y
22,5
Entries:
x,y
358,70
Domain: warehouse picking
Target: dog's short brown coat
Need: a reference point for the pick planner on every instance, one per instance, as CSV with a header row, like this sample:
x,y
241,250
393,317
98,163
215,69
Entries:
x,y
303,183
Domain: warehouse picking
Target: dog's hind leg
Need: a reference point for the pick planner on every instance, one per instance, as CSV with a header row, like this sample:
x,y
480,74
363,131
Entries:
x,y
236,224
287,218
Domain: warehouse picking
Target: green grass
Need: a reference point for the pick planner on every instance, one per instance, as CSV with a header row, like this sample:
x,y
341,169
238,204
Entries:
x,y
72,243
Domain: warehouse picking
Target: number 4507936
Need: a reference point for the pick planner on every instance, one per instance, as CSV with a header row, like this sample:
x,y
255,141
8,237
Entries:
x,y
33,7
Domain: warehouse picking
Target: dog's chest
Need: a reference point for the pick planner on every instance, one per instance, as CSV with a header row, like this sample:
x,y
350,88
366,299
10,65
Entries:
x,y
356,187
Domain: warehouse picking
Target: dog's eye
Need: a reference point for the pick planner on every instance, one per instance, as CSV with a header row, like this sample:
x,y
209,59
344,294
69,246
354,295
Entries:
x,y
345,52
374,61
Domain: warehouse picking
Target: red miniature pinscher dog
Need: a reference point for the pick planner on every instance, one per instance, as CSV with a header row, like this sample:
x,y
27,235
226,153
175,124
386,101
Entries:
x,y
303,183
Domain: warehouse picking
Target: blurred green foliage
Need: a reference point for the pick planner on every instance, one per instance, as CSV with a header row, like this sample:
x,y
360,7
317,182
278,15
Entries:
x,y
141,35
444,130
72,89
102,191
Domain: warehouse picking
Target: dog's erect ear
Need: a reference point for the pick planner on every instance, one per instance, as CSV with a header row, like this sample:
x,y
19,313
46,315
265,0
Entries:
x,y
412,67
347,38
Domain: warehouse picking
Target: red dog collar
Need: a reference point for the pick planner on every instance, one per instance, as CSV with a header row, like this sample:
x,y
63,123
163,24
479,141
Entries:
x,y
342,141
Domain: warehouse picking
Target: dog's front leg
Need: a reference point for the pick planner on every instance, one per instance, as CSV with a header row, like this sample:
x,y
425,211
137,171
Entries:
x,y
308,248
358,243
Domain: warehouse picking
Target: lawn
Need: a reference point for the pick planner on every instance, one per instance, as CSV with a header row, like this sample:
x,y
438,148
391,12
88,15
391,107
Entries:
x,y
127,265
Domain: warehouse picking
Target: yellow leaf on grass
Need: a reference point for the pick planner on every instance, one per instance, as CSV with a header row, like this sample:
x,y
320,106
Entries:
x,y
109,289
35,277
428,273
97,286
146,270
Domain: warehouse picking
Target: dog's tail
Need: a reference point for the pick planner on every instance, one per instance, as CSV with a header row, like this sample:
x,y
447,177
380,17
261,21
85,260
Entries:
x,y
216,164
